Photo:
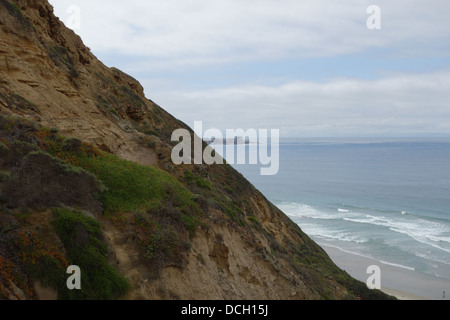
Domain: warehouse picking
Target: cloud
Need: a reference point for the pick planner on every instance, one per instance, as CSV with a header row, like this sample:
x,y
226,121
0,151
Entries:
x,y
169,42
400,105
198,32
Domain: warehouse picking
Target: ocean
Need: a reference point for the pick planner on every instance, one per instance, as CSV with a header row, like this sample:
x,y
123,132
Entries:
x,y
385,199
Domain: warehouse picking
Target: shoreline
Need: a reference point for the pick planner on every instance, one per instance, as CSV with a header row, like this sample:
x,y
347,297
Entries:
x,y
398,281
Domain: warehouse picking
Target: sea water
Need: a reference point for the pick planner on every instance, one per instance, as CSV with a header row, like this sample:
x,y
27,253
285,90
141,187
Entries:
x,y
386,199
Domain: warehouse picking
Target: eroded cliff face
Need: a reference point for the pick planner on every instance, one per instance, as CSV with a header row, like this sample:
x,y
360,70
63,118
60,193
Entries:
x,y
237,246
69,88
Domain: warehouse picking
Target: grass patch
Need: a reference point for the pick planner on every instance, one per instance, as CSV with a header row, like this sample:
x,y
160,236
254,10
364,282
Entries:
x,y
253,219
131,186
127,186
233,211
195,180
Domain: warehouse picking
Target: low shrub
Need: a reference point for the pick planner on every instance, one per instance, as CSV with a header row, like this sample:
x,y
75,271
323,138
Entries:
x,y
83,240
42,262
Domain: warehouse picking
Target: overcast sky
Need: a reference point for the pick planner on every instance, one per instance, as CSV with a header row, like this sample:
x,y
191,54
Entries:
x,y
310,68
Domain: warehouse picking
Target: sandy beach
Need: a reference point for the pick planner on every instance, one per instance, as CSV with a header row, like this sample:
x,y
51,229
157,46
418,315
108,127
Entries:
x,y
403,283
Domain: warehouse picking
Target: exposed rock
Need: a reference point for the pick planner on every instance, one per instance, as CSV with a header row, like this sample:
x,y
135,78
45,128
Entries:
x,y
18,293
45,293
48,75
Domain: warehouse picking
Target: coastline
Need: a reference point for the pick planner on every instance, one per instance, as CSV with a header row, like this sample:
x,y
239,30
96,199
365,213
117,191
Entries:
x,y
400,282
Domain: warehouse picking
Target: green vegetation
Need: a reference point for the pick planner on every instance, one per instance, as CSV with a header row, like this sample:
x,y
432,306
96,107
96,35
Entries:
x,y
119,100
253,219
103,78
196,180
148,141
166,213
16,100
125,93
128,186
164,230
9,272
131,186
23,103
45,181
63,60
108,104
232,210
154,205
146,129
41,261
166,246
82,239
4,175
14,11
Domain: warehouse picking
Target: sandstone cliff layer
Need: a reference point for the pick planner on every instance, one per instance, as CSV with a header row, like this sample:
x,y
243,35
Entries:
x,y
85,167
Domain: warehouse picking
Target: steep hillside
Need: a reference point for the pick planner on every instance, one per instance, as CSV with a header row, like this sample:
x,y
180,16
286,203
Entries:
x,y
86,179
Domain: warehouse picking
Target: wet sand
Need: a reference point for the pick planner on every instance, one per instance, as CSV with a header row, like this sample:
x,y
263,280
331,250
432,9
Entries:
x,y
403,283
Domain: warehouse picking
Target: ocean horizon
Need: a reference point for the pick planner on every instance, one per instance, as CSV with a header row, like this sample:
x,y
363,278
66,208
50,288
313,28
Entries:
x,y
386,199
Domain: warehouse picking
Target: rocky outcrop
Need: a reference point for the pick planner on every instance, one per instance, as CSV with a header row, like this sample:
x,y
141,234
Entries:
x,y
237,246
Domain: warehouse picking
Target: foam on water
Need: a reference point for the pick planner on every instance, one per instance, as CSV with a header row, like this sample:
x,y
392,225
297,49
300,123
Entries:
x,y
387,199
398,265
374,234
421,230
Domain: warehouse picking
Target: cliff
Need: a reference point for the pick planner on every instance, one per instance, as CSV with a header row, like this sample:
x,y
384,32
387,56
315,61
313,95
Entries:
x,y
86,179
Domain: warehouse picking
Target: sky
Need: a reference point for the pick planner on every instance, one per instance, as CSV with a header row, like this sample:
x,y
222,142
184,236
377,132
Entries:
x,y
310,68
